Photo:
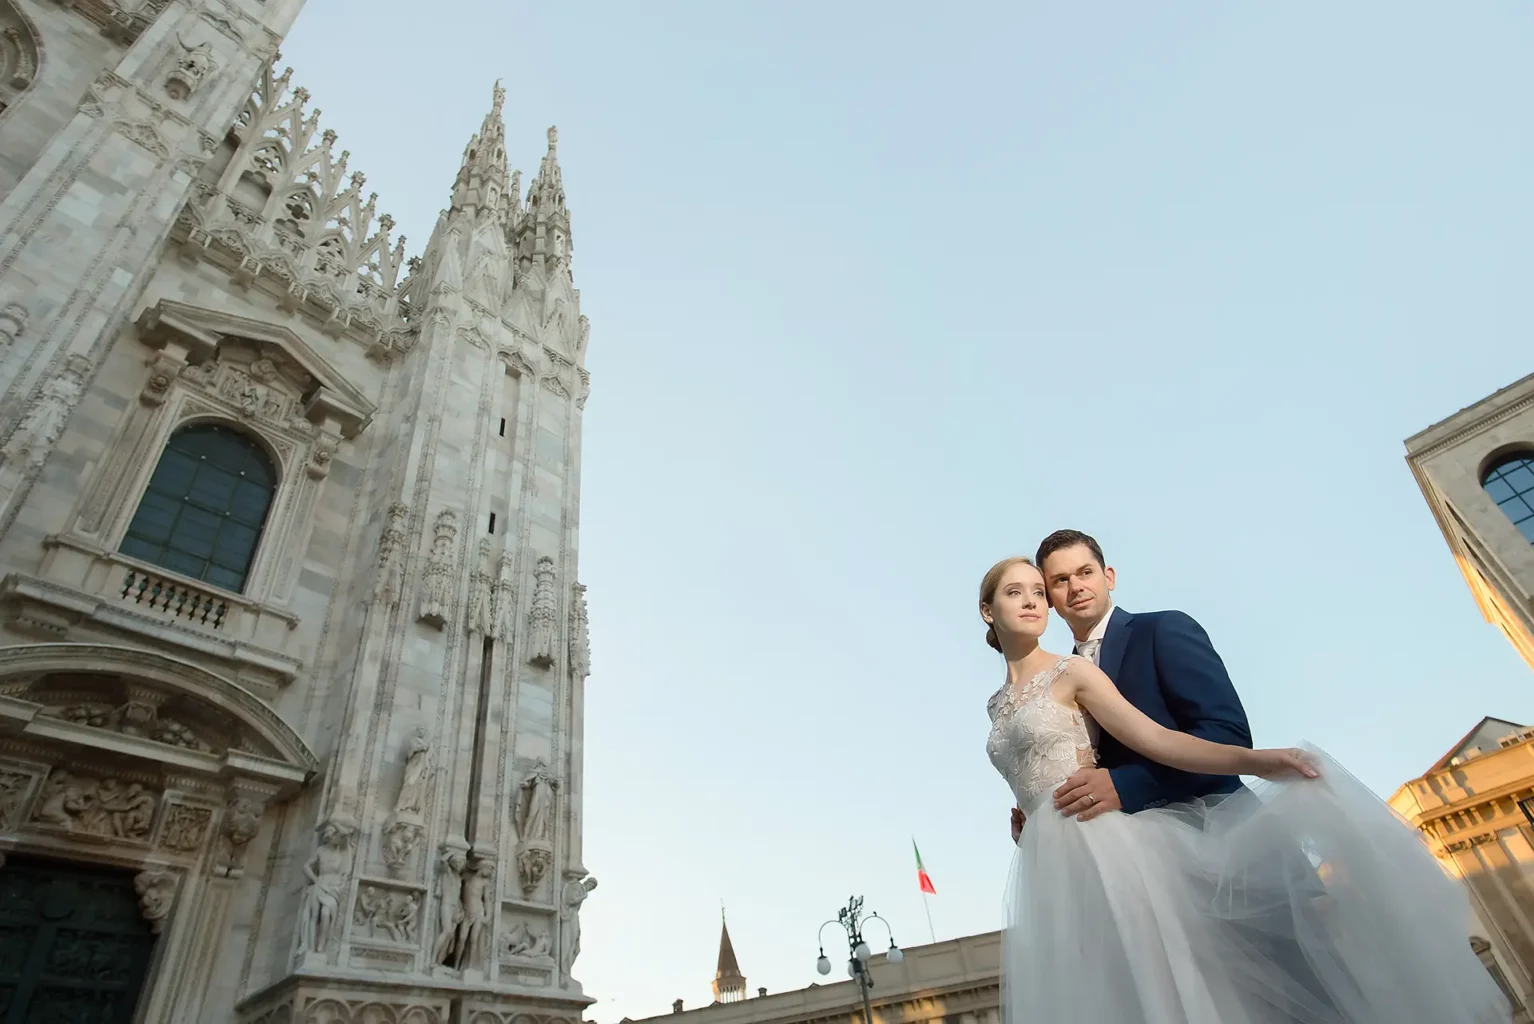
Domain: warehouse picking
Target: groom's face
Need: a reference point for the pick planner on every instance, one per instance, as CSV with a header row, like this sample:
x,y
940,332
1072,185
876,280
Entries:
x,y
1078,586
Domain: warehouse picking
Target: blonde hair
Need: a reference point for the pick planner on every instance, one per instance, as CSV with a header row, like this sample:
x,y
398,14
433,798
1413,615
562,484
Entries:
x,y
988,584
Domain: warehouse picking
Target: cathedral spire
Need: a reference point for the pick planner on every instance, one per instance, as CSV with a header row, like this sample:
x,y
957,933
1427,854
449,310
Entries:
x,y
729,983
482,184
543,236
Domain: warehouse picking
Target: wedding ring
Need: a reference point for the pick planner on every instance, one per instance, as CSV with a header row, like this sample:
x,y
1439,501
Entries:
x,y
1091,799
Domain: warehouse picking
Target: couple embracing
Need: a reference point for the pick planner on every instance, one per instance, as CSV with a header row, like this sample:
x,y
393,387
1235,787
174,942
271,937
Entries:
x,y
1150,885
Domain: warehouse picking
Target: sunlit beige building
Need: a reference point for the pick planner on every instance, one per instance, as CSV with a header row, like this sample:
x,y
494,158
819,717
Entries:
x,y
1476,809
1476,470
957,981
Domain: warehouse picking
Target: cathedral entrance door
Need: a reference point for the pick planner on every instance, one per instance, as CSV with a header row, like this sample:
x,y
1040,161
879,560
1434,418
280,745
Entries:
x,y
74,945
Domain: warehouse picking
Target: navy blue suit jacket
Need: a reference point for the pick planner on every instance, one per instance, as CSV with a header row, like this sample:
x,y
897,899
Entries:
x,y
1164,664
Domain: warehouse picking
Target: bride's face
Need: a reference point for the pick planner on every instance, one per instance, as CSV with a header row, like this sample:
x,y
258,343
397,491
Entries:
x,y
1020,606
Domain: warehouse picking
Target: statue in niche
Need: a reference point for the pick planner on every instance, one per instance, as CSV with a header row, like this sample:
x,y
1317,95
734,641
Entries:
x,y
576,891
449,905
470,941
536,818
412,791
528,941
326,870
44,422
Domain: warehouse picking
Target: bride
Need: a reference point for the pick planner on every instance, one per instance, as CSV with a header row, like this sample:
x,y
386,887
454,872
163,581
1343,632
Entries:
x,y
1302,900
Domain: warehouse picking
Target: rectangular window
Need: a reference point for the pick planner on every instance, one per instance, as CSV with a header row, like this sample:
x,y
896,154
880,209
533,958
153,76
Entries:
x,y
492,522
503,426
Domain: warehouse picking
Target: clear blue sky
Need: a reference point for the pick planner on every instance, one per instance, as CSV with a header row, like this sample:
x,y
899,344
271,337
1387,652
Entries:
x,y
883,292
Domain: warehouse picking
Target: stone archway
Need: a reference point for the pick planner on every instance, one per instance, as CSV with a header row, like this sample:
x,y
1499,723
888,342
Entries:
x,y
117,759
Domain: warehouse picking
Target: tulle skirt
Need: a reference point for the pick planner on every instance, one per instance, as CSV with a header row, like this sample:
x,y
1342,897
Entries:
x,y
1305,901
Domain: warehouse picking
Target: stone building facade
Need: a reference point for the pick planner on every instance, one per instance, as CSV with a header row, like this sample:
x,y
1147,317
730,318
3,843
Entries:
x,y
1475,809
292,643
957,981
1476,470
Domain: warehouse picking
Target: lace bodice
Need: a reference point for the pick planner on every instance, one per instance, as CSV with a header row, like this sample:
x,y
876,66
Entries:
x,y
1036,742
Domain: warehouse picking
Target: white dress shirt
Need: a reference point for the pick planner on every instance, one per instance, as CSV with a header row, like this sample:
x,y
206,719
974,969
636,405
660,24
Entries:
x,y
1092,646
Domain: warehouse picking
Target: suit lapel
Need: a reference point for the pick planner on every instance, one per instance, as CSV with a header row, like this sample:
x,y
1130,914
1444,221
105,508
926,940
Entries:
x,y
1115,641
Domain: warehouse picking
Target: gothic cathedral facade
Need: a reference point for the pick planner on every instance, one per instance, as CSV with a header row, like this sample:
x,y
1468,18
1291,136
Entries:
x,y
292,643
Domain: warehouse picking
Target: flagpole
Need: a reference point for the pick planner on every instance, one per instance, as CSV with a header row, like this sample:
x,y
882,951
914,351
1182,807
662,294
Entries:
x,y
921,875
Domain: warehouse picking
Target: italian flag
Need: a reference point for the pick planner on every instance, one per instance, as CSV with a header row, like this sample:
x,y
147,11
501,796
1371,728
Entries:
x,y
922,878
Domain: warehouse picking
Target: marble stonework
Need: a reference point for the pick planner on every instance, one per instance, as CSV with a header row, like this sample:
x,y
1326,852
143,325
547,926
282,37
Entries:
x,y
1448,460
320,779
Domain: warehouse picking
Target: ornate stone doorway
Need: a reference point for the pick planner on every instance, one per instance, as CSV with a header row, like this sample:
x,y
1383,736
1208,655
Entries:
x,y
74,945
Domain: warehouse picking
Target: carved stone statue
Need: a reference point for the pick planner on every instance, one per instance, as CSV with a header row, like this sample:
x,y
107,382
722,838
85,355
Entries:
x,y
533,860
399,842
580,637
535,817
13,791
412,790
389,583
540,618
44,422
576,891
189,71
242,820
437,587
481,593
157,893
474,928
449,905
319,925
505,598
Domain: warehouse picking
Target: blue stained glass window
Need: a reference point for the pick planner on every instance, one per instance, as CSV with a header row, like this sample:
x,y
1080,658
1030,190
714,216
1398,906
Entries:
x,y
206,503
1510,483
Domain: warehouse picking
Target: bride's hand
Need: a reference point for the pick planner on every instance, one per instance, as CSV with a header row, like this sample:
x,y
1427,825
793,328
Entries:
x,y
1281,764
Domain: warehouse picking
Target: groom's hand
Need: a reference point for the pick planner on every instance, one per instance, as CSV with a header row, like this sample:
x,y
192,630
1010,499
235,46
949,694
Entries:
x,y
1017,824
1087,794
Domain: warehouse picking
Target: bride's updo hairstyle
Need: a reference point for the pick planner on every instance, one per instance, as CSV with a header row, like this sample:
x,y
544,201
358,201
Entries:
x,y
988,584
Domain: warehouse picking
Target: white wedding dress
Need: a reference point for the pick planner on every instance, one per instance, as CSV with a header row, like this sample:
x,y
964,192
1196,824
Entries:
x,y
1305,901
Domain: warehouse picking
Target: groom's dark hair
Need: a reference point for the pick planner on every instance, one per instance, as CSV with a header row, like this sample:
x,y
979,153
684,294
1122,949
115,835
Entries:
x,y
1062,539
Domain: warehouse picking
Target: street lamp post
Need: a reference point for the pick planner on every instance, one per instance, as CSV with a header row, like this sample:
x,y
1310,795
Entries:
x,y
852,920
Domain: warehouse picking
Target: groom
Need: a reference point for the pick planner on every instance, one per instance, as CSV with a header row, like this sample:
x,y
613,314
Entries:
x,y
1163,664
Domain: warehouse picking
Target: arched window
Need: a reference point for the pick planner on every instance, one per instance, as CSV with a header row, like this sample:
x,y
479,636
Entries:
x,y
1510,482
203,511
